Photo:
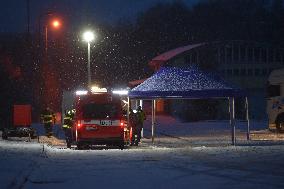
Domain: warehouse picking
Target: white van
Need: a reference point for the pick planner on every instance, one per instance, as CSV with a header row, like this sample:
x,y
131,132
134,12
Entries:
x,y
275,100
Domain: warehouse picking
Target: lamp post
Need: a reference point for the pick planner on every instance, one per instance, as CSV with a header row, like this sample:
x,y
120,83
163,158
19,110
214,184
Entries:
x,y
47,22
89,36
55,23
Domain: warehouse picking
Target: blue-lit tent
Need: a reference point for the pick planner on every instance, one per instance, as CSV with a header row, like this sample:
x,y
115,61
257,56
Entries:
x,y
187,83
191,82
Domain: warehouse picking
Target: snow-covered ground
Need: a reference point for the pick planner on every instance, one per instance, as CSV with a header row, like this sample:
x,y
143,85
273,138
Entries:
x,y
184,155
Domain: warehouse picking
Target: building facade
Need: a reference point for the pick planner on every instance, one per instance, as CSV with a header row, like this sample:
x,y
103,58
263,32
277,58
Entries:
x,y
245,64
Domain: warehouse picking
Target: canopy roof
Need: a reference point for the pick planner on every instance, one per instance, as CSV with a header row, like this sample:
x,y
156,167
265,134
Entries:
x,y
189,82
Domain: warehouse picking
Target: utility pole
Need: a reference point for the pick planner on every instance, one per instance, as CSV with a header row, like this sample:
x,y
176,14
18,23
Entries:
x,y
28,17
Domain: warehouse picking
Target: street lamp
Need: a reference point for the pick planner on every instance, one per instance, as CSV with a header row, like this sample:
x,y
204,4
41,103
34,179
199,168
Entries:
x,y
46,22
55,23
89,36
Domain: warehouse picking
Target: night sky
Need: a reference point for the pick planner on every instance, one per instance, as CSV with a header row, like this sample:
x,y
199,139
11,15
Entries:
x,y
13,13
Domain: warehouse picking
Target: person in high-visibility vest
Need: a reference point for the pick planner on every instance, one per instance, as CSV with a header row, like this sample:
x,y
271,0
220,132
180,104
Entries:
x,y
48,119
67,125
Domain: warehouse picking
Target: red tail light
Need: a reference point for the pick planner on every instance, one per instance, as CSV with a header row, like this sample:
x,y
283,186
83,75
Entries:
x,y
121,124
79,124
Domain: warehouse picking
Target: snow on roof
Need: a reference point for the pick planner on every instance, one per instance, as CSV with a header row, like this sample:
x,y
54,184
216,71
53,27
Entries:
x,y
136,82
189,82
172,53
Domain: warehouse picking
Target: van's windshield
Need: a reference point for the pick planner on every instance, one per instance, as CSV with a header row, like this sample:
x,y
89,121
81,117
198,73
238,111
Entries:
x,y
273,91
100,111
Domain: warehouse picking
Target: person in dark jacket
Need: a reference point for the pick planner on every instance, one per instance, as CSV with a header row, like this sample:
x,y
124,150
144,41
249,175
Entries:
x,y
140,122
133,119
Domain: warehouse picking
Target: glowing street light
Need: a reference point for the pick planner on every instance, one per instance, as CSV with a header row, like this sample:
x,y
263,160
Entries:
x,y
56,23
89,36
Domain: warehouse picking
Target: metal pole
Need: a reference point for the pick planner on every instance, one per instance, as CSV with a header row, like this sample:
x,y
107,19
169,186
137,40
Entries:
x,y
153,122
89,65
46,42
247,117
141,103
142,131
28,17
232,119
128,125
154,116
128,109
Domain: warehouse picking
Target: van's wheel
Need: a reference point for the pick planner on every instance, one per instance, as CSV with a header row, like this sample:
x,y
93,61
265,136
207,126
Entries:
x,y
280,126
280,123
121,146
69,145
4,135
80,146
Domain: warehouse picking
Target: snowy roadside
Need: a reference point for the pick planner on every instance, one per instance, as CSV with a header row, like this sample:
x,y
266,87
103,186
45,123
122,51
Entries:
x,y
184,155
170,132
25,166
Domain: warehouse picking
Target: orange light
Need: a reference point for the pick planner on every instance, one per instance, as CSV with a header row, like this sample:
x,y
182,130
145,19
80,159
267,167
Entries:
x,y
56,24
79,125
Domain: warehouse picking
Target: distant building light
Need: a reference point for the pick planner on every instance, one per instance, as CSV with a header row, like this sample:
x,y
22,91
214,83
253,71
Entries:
x,y
120,92
81,93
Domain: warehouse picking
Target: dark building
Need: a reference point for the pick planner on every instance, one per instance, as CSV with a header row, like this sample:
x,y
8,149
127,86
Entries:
x,y
245,64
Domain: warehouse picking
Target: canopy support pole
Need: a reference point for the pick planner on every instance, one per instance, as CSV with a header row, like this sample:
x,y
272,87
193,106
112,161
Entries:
x,y
153,119
232,119
142,130
128,111
247,118
141,103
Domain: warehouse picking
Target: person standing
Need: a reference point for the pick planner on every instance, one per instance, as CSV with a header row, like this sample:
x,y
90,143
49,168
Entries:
x,y
67,125
48,118
140,123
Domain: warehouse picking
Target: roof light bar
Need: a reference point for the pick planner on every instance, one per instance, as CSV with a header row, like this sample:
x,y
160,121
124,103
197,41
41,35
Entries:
x,y
79,93
95,89
120,92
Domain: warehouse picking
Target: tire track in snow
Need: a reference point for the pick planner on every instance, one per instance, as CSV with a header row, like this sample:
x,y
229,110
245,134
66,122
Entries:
x,y
22,177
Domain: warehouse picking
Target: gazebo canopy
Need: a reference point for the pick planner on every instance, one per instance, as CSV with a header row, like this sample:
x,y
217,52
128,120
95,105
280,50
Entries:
x,y
184,83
